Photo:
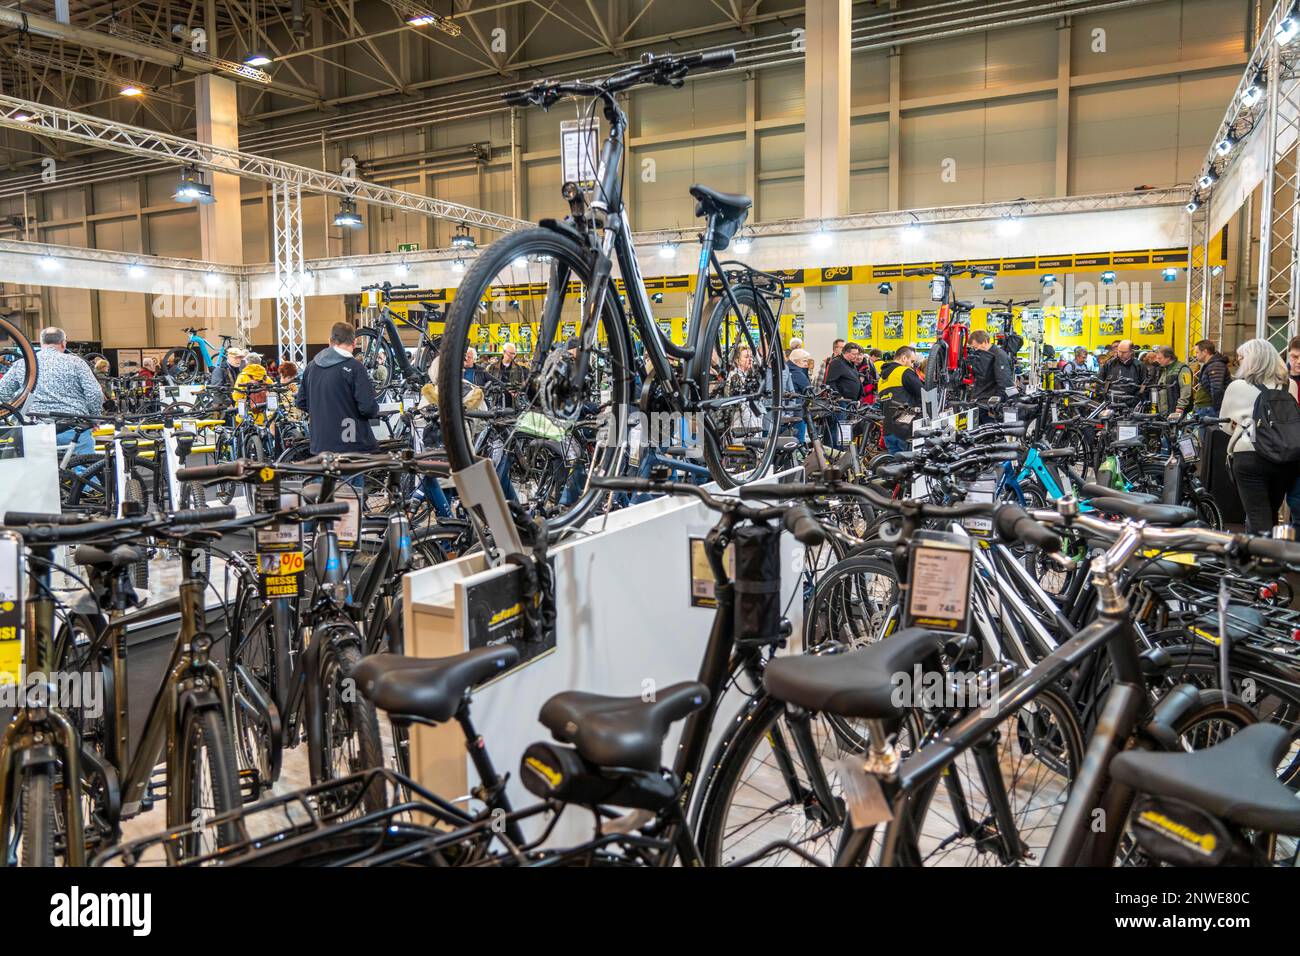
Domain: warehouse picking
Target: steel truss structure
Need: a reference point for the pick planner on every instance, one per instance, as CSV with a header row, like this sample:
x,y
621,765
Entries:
x,y
290,273
87,130
1278,306
1205,283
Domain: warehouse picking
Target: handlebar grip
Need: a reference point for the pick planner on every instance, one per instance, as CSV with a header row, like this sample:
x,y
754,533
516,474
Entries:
x,y
202,515
630,485
515,98
1016,524
323,509
799,521
225,469
1273,549
715,60
13,518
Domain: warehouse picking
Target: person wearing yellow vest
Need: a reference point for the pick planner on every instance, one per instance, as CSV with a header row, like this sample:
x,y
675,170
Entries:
x,y
250,388
899,392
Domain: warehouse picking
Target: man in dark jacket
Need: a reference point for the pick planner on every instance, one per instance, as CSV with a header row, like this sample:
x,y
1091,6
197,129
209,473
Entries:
x,y
337,393
992,369
842,376
1211,380
1124,367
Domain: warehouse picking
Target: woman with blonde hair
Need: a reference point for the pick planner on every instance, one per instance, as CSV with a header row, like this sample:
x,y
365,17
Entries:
x,y
1262,485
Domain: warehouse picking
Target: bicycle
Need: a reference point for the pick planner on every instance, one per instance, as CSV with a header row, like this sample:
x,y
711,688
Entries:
x,y
729,372
192,362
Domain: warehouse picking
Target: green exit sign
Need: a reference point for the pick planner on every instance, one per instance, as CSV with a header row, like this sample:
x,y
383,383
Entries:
x,y
408,247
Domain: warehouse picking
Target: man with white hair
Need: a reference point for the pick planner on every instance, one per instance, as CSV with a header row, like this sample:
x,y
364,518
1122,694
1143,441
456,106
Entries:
x,y
65,385
507,369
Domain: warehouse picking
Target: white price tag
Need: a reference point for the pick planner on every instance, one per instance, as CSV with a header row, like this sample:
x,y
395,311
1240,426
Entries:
x,y
348,526
10,586
1187,447
981,527
272,401
280,537
1127,432
939,585
579,149
1010,416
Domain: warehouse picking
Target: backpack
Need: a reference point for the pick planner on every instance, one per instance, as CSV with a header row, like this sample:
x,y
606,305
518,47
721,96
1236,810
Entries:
x,y
1277,427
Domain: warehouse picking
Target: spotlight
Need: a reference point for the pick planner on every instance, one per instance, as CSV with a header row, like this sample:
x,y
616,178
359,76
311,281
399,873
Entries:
x,y
912,231
347,216
257,58
667,250
462,239
458,265
1108,277
211,278
22,116
885,288
1251,94
514,304
1009,225
1047,279
1208,180
135,270
1170,274
1194,205
821,239
657,298
347,273
49,263
1226,145
1287,29
192,188
986,283
403,269
130,90
1216,271
743,244
521,262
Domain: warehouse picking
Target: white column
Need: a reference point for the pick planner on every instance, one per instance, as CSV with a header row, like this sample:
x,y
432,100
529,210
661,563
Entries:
x,y
220,222
826,154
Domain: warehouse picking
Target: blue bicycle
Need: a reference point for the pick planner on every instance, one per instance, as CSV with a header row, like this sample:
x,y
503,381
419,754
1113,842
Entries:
x,y
192,362
1034,483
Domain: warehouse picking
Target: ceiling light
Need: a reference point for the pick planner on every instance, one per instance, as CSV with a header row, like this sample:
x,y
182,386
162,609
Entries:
x,y
912,231
419,15
1225,145
1170,274
743,243
1194,205
49,263
1009,225
1216,271
986,283
458,265
657,298
462,239
1108,277
1208,180
131,90
1048,278
667,250
885,288
1251,94
403,269
257,58
211,278
347,216
347,272
192,188
22,116
135,269
821,239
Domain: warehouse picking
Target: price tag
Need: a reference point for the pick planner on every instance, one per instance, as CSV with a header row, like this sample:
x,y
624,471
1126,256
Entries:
x,y
1127,432
846,433
348,526
280,573
634,444
272,401
285,536
11,609
979,527
1187,446
1010,416
939,582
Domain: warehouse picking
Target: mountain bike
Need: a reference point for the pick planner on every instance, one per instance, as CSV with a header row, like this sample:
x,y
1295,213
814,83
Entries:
x,y
192,362
728,375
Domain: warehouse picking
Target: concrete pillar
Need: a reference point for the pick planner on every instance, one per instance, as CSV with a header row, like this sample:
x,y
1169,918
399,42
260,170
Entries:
x,y
220,222
826,155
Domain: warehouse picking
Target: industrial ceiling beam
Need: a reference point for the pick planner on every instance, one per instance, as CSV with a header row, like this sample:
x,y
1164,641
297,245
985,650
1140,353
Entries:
x,y
81,128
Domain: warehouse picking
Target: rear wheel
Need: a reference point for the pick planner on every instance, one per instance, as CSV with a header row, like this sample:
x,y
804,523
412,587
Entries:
x,y
738,373
135,496
182,365
351,742
209,781
372,351
549,404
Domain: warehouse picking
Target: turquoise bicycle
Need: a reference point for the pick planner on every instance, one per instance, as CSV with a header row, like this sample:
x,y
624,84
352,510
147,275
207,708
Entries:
x,y
191,363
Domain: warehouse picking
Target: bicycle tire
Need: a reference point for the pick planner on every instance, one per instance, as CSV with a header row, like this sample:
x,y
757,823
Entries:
x,y
475,288
346,708
140,569
36,830
207,750
181,365
718,342
11,336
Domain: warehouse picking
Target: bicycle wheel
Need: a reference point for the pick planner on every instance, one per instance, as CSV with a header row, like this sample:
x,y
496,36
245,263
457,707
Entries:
x,y
15,343
954,821
226,450
762,796
209,781
549,404
254,450
737,370
372,351
250,664
855,603
182,365
135,495
351,724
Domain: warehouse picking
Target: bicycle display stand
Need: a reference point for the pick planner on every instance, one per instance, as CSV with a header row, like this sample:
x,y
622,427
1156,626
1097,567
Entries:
x,y
625,622
29,469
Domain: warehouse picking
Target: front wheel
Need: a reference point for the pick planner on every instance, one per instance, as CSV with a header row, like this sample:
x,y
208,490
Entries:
x,y
209,782
182,365
351,725
738,367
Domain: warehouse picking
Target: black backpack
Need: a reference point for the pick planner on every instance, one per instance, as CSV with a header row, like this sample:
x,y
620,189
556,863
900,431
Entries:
x,y
1277,427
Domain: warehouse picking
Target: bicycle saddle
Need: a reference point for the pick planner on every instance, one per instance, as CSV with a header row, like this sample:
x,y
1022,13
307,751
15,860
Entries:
x,y
711,202
620,731
857,683
430,688
1172,515
1093,490
1235,780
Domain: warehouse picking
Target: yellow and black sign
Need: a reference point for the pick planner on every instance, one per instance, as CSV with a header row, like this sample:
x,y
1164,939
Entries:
x,y
280,573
